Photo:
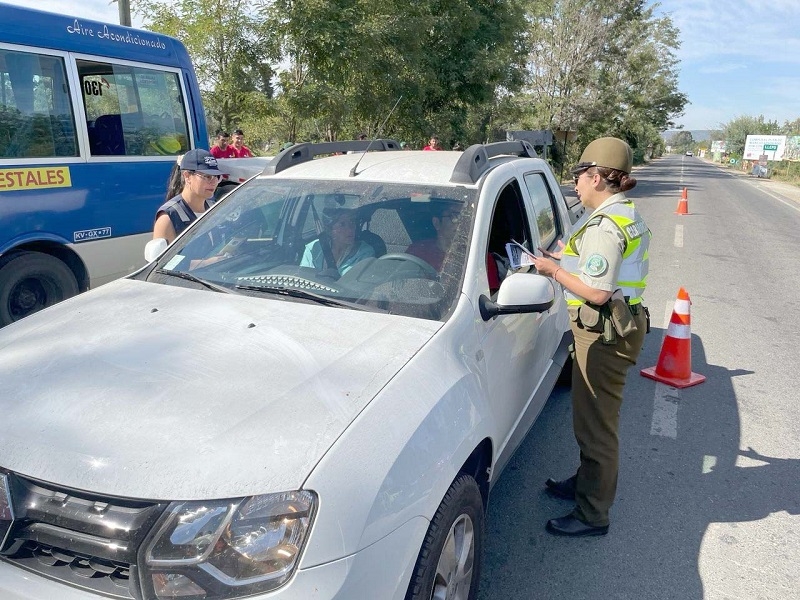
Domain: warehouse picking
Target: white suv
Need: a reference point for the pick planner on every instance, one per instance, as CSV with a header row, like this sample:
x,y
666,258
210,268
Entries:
x,y
240,419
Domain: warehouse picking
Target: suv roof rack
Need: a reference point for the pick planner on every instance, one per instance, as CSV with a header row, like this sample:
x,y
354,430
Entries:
x,y
303,152
475,159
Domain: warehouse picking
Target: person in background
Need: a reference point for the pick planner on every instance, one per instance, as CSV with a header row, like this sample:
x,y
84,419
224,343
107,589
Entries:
x,y
221,148
603,273
362,137
433,144
200,175
238,146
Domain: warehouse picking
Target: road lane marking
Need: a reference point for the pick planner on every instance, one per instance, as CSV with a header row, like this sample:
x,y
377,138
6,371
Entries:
x,y
665,399
678,236
665,411
709,462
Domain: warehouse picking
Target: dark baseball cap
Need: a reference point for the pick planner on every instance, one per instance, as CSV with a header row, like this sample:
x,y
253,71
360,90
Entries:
x,y
200,161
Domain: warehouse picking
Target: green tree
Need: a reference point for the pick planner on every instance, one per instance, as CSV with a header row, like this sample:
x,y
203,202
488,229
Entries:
x,y
791,127
565,36
639,94
601,68
737,130
348,61
682,141
229,46
466,70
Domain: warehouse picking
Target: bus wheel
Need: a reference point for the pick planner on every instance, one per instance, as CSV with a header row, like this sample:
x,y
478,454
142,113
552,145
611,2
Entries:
x,y
31,281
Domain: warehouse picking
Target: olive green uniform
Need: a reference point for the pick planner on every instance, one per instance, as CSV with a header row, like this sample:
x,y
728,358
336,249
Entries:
x,y
599,371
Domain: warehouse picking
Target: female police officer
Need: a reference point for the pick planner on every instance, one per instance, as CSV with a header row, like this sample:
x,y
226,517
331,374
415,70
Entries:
x,y
607,253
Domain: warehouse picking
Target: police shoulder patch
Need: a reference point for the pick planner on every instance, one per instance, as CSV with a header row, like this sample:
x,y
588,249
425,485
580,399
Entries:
x,y
596,265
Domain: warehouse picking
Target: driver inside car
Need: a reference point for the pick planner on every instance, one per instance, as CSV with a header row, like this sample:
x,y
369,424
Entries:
x,y
433,250
337,248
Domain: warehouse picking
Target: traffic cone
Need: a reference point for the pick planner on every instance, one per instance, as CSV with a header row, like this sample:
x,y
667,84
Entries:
x,y
683,205
675,361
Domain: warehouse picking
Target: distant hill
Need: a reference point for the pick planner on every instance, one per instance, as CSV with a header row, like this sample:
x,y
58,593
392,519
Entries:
x,y
698,135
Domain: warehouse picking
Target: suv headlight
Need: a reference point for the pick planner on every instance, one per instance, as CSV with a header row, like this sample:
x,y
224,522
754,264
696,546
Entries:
x,y
226,548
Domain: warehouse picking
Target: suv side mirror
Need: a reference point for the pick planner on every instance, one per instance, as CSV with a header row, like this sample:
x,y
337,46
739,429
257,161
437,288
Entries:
x,y
154,248
519,293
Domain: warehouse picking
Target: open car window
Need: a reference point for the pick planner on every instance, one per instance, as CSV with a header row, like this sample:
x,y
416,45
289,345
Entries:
x,y
407,255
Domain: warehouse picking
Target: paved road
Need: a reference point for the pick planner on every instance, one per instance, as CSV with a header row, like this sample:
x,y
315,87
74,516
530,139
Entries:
x,y
708,505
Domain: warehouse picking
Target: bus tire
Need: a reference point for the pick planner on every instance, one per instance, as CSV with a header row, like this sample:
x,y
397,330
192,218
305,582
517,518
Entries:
x,y
31,281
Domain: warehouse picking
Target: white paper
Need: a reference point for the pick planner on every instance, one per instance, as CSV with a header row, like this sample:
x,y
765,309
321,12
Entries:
x,y
518,256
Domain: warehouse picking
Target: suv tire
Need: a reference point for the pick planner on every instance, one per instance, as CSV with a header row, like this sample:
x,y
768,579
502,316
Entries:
x,y
448,566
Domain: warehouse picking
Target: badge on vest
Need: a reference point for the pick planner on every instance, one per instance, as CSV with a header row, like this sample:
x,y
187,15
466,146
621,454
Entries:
x,y
596,265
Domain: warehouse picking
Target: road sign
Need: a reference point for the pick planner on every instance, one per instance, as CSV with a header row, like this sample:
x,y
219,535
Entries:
x,y
755,145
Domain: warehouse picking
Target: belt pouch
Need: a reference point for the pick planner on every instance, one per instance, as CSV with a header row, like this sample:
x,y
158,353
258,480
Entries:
x,y
621,316
589,315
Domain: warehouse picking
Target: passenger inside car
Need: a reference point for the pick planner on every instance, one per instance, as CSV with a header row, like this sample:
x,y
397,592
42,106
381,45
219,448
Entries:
x,y
337,248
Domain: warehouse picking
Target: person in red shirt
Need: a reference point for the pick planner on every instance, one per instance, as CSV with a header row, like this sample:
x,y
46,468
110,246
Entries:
x,y
433,250
238,146
221,148
433,144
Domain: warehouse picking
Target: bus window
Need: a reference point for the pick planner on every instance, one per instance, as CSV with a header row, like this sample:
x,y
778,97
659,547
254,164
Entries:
x,y
36,118
92,118
132,111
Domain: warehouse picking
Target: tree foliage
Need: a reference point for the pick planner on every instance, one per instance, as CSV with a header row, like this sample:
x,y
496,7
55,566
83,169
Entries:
x,y
229,46
602,67
682,141
464,70
736,131
350,61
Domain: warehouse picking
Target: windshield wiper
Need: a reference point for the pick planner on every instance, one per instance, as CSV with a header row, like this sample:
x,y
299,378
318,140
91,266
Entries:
x,y
298,293
189,277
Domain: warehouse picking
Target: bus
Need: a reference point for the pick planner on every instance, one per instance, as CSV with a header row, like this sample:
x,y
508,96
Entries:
x,y
92,118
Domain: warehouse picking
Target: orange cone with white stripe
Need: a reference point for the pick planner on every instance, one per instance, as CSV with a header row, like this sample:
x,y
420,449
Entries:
x,y
683,205
675,361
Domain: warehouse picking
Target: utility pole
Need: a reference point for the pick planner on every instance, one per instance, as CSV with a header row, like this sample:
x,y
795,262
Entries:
x,y
124,12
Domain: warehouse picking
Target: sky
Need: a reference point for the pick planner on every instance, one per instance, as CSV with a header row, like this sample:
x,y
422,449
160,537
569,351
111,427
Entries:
x,y
737,58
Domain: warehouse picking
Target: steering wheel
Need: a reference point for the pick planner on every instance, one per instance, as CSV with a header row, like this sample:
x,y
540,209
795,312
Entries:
x,y
402,256
165,115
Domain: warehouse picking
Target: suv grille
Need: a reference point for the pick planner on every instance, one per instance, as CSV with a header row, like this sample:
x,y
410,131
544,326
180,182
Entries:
x,y
81,539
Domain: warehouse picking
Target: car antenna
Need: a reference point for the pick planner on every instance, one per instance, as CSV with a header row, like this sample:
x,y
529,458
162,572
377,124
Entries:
x,y
377,135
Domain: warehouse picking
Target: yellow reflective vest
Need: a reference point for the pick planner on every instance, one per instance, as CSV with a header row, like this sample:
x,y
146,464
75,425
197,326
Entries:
x,y
632,278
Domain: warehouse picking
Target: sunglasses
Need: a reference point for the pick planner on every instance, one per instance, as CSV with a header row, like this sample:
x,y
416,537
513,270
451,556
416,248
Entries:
x,y
205,177
575,178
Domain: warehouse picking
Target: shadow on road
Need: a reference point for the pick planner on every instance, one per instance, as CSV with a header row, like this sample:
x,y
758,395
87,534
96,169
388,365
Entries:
x,y
670,491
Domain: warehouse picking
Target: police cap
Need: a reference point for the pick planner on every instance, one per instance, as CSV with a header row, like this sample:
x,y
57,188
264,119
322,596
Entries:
x,y
608,152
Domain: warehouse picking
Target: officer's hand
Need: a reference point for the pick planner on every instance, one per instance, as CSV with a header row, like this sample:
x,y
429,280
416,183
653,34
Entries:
x,y
554,255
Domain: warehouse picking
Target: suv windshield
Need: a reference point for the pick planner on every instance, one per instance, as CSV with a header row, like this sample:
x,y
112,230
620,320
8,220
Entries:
x,y
396,248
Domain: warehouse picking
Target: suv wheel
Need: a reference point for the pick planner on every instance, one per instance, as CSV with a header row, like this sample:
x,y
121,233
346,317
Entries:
x,y
448,566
